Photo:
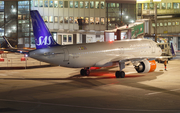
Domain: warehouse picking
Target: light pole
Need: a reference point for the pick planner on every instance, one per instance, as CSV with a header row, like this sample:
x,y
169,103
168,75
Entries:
x,y
155,17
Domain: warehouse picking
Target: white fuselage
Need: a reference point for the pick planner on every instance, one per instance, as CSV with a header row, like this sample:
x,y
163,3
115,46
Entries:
x,y
93,54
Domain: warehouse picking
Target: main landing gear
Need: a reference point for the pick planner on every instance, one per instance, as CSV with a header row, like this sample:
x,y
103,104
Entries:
x,y
120,74
85,72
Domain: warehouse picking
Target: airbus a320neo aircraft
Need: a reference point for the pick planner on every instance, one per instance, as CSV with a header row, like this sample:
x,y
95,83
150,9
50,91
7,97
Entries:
x,y
102,54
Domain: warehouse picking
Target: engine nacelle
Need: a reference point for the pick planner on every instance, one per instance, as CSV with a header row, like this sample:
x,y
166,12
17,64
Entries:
x,y
146,66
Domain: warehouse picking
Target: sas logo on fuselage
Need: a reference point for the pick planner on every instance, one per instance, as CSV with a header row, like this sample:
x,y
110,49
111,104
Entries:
x,y
45,41
82,48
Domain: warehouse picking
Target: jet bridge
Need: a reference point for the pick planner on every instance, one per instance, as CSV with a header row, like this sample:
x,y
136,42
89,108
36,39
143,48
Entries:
x,y
130,31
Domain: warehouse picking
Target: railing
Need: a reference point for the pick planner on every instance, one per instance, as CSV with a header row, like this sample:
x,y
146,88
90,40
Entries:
x,y
20,62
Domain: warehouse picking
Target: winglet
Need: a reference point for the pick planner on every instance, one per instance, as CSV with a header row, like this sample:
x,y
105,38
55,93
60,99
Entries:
x,y
7,42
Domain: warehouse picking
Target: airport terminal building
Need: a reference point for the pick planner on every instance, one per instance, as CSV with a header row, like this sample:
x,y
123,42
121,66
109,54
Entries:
x,y
61,17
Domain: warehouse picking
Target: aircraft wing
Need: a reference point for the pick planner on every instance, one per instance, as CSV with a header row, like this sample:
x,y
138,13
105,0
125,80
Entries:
x,y
16,50
122,59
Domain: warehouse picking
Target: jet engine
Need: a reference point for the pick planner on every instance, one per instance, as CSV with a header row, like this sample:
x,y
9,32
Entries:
x,y
146,66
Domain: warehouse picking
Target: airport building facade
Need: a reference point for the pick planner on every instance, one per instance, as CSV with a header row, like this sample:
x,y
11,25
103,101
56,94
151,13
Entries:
x,y
61,17
168,19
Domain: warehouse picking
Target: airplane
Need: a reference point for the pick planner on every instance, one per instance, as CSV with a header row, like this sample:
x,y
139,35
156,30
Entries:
x,y
141,52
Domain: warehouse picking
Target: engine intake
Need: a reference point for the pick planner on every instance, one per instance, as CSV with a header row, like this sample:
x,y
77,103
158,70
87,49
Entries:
x,y
146,66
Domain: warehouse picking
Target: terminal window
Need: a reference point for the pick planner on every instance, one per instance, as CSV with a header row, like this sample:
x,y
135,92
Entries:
x,y
91,20
51,3
146,5
65,4
55,3
161,24
158,5
40,3
45,18
60,19
75,20
86,4
71,4
76,4
81,4
64,38
169,23
102,21
97,20
91,4
113,5
163,6
102,5
71,19
176,5
97,4
51,19
151,5
177,23
35,3
46,3
173,23
69,38
86,20
65,19
55,19
61,4
169,6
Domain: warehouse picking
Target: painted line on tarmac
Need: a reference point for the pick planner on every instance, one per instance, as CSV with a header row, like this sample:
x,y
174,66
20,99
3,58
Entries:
x,y
3,75
162,92
88,107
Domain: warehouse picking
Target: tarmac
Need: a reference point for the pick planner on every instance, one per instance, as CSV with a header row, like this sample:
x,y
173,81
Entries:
x,y
63,90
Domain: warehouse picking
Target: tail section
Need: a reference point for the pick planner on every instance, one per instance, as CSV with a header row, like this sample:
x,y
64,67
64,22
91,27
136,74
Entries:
x,y
43,37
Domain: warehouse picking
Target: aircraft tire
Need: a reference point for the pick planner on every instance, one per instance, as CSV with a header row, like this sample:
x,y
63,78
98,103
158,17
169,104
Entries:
x,y
122,74
117,74
83,72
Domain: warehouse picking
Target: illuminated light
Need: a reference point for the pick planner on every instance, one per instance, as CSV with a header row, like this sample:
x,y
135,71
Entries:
x,y
110,41
132,21
9,31
126,17
14,27
14,10
156,0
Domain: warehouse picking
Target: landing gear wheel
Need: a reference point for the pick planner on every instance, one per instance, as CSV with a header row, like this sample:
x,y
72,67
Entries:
x,y
120,74
84,72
